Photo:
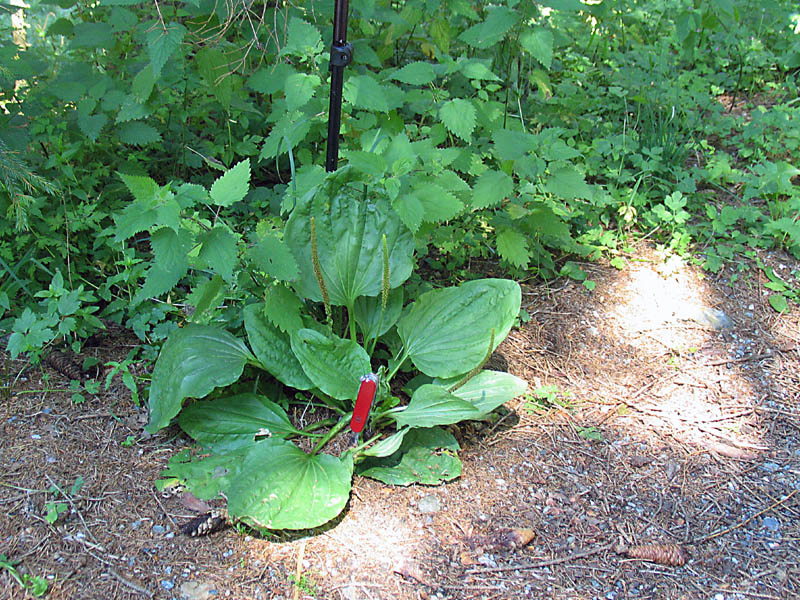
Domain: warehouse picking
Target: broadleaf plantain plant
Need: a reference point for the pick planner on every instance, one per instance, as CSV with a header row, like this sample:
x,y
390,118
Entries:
x,y
353,255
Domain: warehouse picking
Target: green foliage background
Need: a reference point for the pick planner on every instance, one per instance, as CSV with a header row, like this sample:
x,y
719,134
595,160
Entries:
x,y
149,152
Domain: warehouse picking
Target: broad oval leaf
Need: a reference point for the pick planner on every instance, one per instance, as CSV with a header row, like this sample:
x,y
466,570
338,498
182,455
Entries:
x,y
488,389
434,405
279,486
373,321
388,445
427,456
446,332
235,421
332,364
194,360
350,230
273,349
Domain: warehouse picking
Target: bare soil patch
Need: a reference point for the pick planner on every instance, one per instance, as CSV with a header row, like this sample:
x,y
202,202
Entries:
x,y
668,420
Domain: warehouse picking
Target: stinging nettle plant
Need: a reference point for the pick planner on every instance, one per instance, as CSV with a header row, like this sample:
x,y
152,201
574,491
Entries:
x,y
343,316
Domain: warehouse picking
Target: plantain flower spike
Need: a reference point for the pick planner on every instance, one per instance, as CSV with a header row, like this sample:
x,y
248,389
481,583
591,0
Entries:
x,y
385,280
326,300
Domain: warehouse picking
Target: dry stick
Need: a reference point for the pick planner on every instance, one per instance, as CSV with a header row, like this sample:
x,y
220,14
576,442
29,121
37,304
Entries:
x,y
299,570
742,523
130,584
544,563
725,361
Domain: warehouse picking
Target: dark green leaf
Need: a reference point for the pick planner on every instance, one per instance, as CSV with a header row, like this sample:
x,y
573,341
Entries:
x,y
232,422
446,332
333,364
273,349
427,456
194,360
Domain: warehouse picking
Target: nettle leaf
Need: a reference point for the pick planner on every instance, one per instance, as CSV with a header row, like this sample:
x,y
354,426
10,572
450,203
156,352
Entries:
x,y
232,186
283,308
214,67
270,80
278,486
137,133
303,39
170,250
218,250
568,183
194,360
143,83
350,231
499,19
162,42
205,297
333,364
438,204
433,405
291,126
446,332
299,89
368,163
131,110
511,145
426,456
364,91
235,421
458,115
92,35
410,210
512,246
415,73
488,389
491,189
539,42
92,125
273,349
273,256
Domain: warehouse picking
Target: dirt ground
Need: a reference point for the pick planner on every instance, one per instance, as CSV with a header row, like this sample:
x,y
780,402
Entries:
x,y
665,430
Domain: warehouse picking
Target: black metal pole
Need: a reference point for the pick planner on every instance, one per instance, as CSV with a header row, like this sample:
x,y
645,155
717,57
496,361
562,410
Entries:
x,y
341,56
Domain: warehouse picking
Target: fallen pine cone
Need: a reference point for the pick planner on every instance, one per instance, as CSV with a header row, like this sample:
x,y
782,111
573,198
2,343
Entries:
x,y
65,364
670,555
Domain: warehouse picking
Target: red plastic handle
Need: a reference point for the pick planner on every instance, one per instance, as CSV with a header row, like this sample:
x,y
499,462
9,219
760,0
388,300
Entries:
x,y
366,394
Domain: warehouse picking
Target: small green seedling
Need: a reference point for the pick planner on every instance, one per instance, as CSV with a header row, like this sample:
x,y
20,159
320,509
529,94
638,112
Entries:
x,y
34,584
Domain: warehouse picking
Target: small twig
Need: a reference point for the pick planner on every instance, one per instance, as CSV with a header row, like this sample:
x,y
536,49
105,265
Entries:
x,y
743,523
130,584
164,510
298,573
543,563
68,498
725,361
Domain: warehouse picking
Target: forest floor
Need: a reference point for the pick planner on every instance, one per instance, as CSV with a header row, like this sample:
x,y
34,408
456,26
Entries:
x,y
666,427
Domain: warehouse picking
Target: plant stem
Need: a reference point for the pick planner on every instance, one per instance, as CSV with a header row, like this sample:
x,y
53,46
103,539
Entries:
x,y
344,422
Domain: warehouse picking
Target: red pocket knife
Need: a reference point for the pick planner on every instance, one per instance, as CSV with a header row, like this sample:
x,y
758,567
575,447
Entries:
x,y
366,394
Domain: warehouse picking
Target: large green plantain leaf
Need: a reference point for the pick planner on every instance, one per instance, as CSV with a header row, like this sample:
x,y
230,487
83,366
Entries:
x,y
349,230
446,332
227,423
333,364
281,487
426,456
273,348
194,360
488,389
270,483
434,405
